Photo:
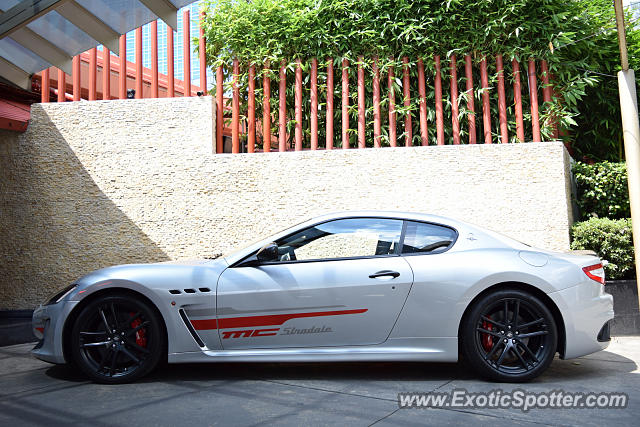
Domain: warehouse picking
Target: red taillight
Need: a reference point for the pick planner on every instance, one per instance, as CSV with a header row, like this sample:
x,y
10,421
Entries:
x,y
595,272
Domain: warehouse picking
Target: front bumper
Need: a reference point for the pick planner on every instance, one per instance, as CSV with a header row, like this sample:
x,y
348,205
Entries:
x,y
48,323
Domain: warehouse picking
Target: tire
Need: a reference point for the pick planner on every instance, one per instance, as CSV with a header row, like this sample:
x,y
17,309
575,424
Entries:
x,y
117,338
517,348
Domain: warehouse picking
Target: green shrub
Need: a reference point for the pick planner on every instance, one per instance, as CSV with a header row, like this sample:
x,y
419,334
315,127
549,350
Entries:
x,y
611,239
602,190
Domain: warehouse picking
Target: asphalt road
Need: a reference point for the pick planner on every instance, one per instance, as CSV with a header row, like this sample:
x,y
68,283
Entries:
x,y
358,394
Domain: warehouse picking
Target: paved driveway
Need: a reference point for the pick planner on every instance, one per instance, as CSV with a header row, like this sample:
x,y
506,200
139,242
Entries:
x,y
360,394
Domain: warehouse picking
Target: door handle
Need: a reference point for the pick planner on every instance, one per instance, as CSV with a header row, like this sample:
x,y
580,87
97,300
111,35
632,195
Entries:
x,y
384,273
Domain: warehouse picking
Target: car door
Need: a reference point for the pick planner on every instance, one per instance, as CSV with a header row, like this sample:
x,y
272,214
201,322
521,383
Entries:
x,y
337,283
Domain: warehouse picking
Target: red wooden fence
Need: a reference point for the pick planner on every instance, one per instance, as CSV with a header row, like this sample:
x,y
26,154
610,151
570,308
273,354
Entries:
x,y
248,131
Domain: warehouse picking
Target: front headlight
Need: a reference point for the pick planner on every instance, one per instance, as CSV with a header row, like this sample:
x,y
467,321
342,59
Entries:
x,y
58,296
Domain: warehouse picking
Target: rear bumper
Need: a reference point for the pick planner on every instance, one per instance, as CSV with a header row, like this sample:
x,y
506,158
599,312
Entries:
x,y
586,310
48,323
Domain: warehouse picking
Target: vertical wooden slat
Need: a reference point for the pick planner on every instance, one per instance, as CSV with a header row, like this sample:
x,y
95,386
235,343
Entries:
x,y
406,95
170,65
471,117
455,123
329,120
298,106
235,110
154,59
533,95
186,51
251,110
547,95
502,101
219,109
138,54
393,137
44,88
106,73
76,78
361,105
122,74
314,104
266,108
62,86
345,103
93,74
486,107
202,55
282,113
517,99
377,124
439,110
422,92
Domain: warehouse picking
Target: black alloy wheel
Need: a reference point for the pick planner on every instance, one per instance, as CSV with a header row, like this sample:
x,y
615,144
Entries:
x,y
509,336
117,339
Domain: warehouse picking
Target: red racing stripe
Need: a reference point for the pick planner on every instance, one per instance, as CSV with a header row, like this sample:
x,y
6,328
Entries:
x,y
274,319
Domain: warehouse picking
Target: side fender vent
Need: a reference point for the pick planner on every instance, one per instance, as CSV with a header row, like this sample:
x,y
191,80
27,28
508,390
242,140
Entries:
x,y
189,326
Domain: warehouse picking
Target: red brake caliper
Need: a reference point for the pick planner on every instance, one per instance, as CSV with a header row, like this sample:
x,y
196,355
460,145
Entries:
x,y
487,342
141,338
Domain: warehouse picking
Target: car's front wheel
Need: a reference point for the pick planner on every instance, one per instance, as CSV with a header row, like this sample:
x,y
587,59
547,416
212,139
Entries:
x,y
117,338
509,336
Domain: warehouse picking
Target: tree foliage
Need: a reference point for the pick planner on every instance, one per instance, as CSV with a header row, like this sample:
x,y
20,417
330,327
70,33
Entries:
x,y
572,35
602,190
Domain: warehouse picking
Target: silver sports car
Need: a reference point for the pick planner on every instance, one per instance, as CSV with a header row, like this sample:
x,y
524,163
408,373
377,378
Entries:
x,y
354,286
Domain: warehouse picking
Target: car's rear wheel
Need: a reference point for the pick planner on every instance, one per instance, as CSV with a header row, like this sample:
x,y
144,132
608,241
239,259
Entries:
x,y
117,338
509,336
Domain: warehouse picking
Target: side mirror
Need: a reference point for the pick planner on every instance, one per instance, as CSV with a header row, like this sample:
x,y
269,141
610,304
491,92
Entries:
x,y
268,253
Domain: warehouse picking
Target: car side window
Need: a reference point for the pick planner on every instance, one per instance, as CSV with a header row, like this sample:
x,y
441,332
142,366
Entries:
x,y
421,237
343,238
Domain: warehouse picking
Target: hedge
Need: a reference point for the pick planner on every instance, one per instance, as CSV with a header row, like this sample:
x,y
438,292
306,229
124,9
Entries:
x,y
602,190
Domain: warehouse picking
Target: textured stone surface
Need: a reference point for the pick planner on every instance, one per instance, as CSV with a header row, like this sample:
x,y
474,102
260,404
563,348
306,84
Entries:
x,y
93,184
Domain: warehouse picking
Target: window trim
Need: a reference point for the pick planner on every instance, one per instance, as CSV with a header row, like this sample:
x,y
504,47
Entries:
x,y
397,252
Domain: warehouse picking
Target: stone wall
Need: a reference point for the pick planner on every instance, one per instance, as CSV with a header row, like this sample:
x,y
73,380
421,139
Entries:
x,y
92,184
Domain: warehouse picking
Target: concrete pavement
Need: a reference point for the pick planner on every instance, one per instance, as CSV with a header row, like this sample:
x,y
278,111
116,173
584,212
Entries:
x,y
359,394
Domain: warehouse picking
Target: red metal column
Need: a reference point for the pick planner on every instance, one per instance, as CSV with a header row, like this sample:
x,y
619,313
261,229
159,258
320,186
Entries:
x,y
517,98
62,86
455,124
251,110
486,111
170,65
186,51
345,103
547,95
44,88
471,117
533,94
122,74
219,109
502,101
314,104
361,105
298,106
76,78
106,73
235,110
377,125
329,142
282,113
202,52
93,73
393,138
139,76
422,92
406,94
154,59
266,108
439,111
